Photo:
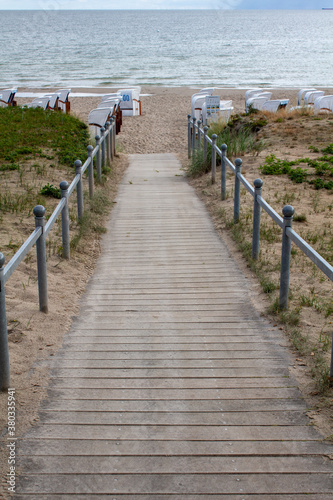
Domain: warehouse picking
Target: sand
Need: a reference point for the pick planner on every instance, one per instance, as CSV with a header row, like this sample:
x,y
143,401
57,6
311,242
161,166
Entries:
x,y
34,336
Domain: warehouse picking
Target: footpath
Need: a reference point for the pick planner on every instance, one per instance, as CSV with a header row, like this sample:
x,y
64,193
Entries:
x,y
169,384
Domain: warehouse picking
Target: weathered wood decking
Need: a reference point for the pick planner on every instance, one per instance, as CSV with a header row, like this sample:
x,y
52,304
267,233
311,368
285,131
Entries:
x,y
169,385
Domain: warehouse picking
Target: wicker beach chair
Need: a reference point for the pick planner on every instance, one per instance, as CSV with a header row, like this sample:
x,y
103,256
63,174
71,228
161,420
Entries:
x,y
53,103
63,102
115,100
39,102
311,96
275,105
257,101
130,104
221,113
7,97
301,95
197,103
323,103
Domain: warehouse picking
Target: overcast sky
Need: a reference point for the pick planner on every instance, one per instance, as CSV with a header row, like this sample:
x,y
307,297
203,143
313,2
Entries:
x,y
163,4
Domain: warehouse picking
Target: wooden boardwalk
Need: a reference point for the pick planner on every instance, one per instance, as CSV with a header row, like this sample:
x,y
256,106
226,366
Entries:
x,y
169,385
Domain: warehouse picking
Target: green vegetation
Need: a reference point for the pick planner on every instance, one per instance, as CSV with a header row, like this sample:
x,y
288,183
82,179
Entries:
x,y
50,190
240,137
27,133
320,176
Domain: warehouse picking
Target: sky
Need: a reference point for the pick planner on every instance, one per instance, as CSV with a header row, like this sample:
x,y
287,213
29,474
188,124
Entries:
x,y
162,4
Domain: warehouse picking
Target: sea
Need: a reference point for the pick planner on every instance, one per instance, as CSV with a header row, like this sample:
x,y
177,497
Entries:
x,y
198,48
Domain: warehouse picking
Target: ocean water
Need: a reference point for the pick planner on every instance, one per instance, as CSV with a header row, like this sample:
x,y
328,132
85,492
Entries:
x,y
226,48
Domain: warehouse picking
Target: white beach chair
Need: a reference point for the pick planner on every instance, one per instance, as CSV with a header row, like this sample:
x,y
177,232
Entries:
x,y
63,102
7,97
254,93
197,102
323,103
257,101
116,99
309,97
222,112
53,103
130,104
260,95
39,102
274,105
301,95
197,98
98,117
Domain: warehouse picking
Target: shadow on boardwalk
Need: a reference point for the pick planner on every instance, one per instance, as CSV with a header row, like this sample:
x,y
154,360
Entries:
x,y
169,385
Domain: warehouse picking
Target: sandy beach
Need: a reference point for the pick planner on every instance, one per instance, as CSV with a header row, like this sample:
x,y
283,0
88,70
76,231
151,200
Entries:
x,y
162,128
163,123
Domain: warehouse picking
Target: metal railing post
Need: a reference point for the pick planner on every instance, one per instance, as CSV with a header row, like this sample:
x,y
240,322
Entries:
x,y
65,221
331,369
189,136
193,137
107,140
238,165
223,172
4,351
213,164
199,135
79,189
256,219
114,136
288,212
103,145
112,125
90,150
39,213
205,145
98,158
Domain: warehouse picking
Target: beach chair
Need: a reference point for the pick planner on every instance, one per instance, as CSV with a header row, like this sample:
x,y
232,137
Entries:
x,y
199,94
253,93
98,117
130,103
251,99
275,105
257,101
114,98
301,95
309,97
7,97
197,103
323,103
63,102
53,103
220,112
39,102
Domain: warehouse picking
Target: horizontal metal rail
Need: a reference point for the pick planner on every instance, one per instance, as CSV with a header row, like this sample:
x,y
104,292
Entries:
x,y
54,216
317,259
73,184
246,184
86,165
274,215
231,165
21,253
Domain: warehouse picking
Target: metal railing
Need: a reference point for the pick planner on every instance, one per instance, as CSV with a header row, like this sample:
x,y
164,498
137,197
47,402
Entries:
x,y
104,152
197,140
